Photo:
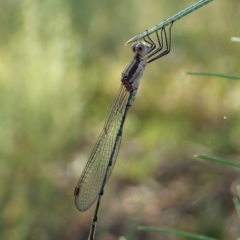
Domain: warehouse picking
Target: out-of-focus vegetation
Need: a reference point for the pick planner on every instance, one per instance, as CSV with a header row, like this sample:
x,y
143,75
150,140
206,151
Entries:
x,y
60,68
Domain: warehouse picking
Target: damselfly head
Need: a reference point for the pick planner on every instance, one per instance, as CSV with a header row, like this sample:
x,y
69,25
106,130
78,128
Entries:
x,y
140,48
134,47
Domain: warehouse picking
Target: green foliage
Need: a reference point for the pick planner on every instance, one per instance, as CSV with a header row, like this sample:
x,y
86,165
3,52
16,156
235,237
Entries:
x,y
60,68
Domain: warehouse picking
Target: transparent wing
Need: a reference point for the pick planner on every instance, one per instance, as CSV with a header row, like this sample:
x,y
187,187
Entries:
x,y
90,182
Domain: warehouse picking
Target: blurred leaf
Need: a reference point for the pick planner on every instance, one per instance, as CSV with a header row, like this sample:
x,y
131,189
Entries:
x,y
216,159
235,77
237,205
177,233
235,39
236,201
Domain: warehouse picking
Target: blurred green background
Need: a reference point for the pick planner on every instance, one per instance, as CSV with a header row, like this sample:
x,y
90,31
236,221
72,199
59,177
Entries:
x,y
60,68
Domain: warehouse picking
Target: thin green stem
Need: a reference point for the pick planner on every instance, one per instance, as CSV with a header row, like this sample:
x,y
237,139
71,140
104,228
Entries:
x,y
170,20
177,233
216,159
215,75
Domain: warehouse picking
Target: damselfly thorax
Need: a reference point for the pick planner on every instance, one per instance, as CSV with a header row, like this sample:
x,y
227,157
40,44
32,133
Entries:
x,y
145,52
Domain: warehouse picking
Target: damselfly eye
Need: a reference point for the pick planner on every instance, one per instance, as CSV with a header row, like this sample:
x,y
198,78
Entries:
x,y
141,49
134,47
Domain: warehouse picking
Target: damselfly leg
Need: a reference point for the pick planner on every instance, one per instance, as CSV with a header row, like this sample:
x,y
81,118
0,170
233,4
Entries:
x,y
155,53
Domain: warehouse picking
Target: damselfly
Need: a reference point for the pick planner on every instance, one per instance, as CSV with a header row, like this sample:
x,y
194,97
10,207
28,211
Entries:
x,y
102,159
